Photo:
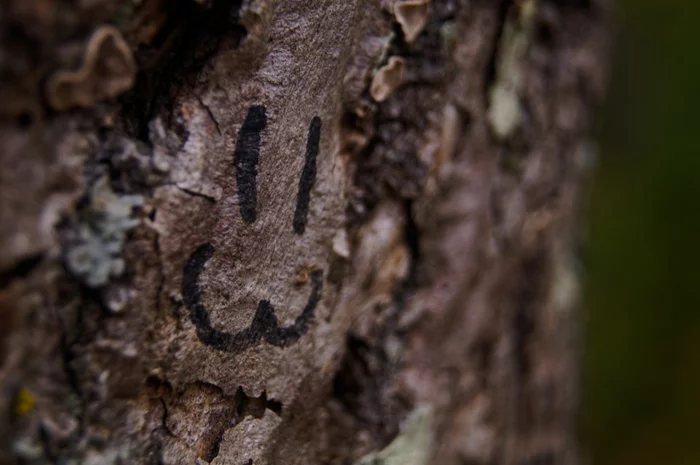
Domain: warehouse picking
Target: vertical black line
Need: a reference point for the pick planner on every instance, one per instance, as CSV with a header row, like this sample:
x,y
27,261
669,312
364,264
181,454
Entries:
x,y
246,157
308,176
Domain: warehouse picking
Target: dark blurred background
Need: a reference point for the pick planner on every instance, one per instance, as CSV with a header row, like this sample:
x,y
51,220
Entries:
x,y
642,368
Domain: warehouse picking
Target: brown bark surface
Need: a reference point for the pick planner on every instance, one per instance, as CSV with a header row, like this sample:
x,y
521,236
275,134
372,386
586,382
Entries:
x,y
293,232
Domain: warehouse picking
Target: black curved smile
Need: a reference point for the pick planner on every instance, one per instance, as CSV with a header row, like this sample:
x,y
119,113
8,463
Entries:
x,y
264,324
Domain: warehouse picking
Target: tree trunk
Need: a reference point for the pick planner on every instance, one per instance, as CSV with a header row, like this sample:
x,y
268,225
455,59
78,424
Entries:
x,y
293,232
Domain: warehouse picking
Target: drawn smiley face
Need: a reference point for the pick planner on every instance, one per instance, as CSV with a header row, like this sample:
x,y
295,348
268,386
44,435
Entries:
x,y
264,325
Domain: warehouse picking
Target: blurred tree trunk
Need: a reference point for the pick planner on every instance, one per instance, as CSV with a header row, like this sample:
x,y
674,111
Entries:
x,y
275,232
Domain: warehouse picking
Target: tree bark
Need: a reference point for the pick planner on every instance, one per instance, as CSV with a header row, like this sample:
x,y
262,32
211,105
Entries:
x,y
284,232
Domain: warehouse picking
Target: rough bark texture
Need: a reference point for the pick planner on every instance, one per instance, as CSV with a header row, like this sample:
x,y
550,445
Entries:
x,y
292,232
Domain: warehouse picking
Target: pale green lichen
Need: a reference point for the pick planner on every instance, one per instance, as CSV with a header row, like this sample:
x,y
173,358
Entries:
x,y
448,36
413,445
95,256
106,457
564,289
28,449
386,42
505,112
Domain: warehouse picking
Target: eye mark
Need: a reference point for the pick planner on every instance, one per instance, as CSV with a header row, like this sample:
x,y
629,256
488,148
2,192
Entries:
x,y
264,324
308,176
246,157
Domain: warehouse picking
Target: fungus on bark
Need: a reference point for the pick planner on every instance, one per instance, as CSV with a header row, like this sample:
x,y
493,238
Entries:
x,y
387,79
412,15
108,69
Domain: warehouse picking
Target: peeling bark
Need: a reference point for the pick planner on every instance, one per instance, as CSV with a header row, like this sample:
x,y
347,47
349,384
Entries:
x,y
252,257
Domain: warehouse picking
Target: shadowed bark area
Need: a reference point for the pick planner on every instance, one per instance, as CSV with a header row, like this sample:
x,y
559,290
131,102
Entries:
x,y
278,232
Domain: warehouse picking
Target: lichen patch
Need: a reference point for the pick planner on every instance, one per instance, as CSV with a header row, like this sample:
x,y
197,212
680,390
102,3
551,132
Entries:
x,y
505,112
413,445
95,255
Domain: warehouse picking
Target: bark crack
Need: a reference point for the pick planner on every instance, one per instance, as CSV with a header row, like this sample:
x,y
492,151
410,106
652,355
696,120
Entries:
x,y
195,193
209,112
20,270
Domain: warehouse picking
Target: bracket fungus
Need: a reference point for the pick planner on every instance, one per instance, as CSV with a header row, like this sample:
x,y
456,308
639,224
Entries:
x,y
387,79
412,15
108,69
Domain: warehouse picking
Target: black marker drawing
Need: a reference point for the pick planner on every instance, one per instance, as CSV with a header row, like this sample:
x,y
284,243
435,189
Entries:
x,y
264,324
246,157
308,176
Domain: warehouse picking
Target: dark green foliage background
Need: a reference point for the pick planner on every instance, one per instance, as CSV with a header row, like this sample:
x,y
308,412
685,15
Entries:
x,y
642,370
